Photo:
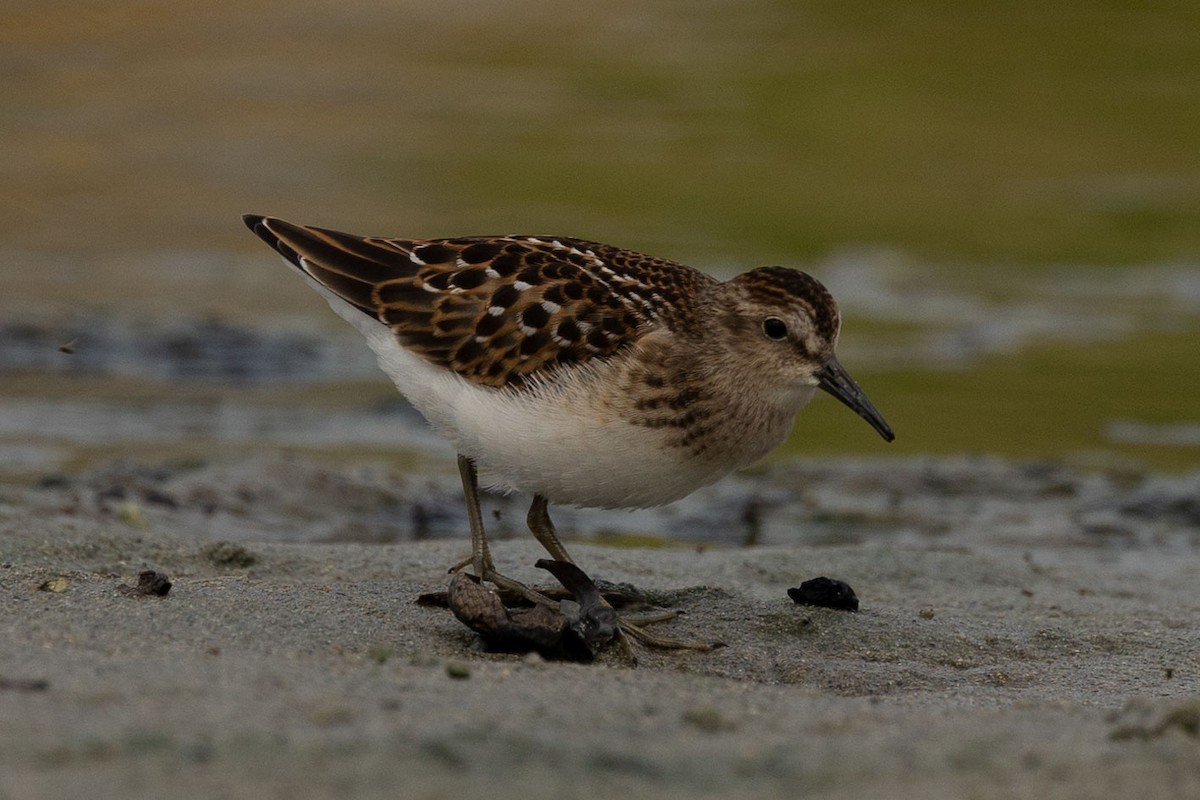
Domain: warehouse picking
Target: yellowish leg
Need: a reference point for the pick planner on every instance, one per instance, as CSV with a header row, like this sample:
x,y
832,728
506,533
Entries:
x,y
481,557
543,529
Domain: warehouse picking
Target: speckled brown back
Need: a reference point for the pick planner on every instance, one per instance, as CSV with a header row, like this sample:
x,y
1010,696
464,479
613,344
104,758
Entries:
x,y
498,310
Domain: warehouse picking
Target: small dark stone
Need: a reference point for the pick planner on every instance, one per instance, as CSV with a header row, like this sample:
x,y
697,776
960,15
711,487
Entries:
x,y
150,584
826,593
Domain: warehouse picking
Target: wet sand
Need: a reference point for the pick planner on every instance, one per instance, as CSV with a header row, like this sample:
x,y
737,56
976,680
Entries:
x,y
1025,631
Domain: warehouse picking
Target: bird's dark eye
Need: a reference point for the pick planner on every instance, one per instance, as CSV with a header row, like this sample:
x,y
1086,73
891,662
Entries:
x,y
775,328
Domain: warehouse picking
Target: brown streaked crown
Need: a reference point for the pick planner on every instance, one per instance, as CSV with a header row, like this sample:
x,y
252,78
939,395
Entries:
x,y
782,287
498,310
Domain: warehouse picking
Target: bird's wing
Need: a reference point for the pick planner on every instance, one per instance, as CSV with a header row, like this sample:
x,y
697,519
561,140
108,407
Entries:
x,y
497,310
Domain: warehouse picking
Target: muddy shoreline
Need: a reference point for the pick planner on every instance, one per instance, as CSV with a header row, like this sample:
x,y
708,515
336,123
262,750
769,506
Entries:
x,y
1026,629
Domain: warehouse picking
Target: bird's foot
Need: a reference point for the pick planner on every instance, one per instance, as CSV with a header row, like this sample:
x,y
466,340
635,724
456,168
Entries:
x,y
630,625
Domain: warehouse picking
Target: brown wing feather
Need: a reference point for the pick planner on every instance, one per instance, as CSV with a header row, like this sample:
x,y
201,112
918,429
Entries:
x,y
498,310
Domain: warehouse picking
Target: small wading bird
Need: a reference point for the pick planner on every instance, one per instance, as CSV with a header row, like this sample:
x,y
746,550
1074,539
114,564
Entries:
x,y
579,372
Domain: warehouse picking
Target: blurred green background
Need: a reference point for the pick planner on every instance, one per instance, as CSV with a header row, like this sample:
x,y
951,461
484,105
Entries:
x,y
1005,195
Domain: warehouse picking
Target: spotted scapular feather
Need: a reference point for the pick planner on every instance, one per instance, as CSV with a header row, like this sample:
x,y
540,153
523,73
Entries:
x,y
497,310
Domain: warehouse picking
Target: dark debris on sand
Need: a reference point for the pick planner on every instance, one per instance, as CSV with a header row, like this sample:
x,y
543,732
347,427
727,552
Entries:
x,y
583,623
150,584
825,593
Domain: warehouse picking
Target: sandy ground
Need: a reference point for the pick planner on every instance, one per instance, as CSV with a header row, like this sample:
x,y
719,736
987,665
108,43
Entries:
x,y
1026,631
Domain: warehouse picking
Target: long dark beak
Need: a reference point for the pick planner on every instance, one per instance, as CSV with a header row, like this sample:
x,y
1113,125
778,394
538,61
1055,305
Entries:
x,y
834,379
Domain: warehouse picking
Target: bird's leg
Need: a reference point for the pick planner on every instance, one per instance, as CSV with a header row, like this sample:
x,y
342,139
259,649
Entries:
x,y
481,556
542,528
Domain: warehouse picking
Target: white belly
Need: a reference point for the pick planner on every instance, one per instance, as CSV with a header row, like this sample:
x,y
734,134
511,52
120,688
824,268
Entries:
x,y
553,443
570,452
560,443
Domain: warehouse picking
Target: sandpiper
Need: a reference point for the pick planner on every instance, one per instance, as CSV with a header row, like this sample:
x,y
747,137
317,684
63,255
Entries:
x,y
579,372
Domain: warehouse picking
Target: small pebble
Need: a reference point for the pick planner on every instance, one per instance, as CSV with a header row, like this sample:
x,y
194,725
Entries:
x,y
57,585
150,583
458,670
826,593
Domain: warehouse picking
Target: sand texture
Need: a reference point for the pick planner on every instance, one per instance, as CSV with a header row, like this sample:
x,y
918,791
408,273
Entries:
x,y
1025,631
